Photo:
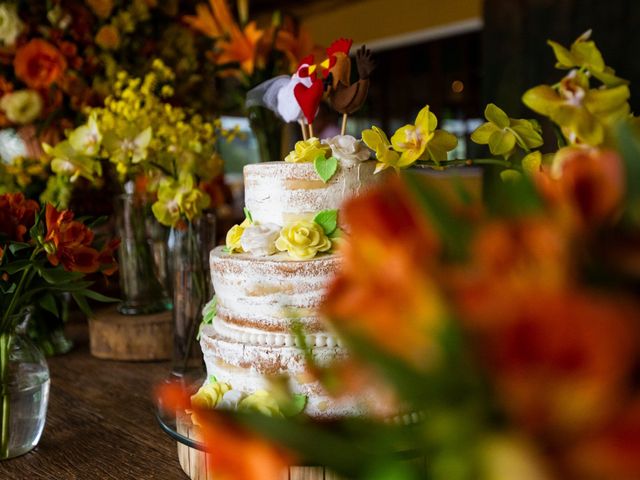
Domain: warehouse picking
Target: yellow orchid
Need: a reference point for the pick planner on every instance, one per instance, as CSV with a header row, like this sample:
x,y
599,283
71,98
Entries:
x,y
130,147
584,54
177,198
413,141
503,134
386,156
68,162
87,138
583,113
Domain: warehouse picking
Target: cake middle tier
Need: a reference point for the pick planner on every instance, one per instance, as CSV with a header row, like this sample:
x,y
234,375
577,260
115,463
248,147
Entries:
x,y
269,293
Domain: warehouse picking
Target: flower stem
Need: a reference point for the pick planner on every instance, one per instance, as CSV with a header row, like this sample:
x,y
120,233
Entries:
x,y
463,163
5,347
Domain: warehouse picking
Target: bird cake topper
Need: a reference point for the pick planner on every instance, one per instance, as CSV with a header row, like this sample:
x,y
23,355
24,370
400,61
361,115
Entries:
x,y
297,98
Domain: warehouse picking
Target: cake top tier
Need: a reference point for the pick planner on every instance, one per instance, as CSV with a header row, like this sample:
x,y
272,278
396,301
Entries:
x,y
281,192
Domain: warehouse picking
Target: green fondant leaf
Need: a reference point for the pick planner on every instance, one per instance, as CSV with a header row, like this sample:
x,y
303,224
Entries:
x,y
328,220
337,233
208,313
247,214
295,406
325,167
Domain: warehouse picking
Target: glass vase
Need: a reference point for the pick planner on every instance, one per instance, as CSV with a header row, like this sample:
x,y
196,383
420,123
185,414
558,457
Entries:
x,y
267,128
188,252
24,394
141,288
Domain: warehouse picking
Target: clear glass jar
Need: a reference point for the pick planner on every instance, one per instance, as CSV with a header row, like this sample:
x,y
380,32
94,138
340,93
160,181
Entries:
x,y
191,284
140,274
24,394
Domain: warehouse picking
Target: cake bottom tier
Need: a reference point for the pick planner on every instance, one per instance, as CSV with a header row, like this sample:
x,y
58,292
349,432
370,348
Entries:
x,y
247,367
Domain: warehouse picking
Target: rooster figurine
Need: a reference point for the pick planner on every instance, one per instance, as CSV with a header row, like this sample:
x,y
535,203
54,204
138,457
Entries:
x,y
346,97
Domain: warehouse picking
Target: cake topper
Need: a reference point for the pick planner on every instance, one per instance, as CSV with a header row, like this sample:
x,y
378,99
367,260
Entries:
x,y
297,98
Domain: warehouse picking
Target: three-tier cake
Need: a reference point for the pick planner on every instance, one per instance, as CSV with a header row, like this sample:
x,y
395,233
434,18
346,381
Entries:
x,y
274,271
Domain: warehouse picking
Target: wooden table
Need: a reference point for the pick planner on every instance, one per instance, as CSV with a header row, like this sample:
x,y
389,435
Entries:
x,y
100,423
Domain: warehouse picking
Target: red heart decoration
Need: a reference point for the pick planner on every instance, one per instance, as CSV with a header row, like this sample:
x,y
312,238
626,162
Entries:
x,y
309,98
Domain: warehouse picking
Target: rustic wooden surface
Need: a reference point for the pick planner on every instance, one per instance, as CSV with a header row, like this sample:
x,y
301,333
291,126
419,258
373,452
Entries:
x,y
131,337
100,423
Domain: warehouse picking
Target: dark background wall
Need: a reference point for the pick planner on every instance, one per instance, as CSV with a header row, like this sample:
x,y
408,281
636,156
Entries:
x,y
516,56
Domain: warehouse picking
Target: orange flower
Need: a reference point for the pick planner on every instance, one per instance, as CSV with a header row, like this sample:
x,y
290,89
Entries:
x,y
559,360
17,216
235,451
613,453
108,37
102,8
107,258
384,291
39,64
584,183
69,242
233,44
296,45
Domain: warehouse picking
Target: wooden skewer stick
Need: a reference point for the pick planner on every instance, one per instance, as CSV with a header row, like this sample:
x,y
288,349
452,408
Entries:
x,y
304,130
311,130
343,130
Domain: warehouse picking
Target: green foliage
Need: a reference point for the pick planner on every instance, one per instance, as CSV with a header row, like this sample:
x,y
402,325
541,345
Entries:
x,y
328,220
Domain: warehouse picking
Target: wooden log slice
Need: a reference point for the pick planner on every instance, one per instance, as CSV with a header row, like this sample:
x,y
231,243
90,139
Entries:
x,y
131,337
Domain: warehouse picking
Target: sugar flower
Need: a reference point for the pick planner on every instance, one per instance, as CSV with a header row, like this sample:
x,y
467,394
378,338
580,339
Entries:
x,y
303,240
262,402
10,24
22,107
260,239
413,141
209,395
307,151
347,149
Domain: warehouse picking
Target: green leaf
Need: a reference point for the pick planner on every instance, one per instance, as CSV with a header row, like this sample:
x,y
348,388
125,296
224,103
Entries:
x,y
337,233
82,303
98,296
328,220
48,302
510,175
16,247
247,214
325,167
17,266
58,274
295,406
496,115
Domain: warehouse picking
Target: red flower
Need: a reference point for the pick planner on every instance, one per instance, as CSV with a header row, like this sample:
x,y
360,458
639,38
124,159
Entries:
x,y
107,257
70,242
39,64
17,216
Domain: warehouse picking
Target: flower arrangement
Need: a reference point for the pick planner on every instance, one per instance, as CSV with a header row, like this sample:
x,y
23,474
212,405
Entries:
x,y
63,56
138,132
509,327
43,254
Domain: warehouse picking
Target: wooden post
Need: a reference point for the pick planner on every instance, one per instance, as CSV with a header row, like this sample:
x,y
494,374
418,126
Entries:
x,y
343,130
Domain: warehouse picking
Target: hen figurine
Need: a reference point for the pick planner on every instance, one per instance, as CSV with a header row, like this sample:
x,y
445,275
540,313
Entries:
x,y
346,97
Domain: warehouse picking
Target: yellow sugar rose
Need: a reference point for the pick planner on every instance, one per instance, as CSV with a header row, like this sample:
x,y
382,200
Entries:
x,y
234,235
303,240
261,402
209,395
307,151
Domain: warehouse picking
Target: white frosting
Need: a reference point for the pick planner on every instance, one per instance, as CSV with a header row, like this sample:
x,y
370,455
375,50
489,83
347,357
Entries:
x,y
231,399
349,150
270,292
279,192
260,239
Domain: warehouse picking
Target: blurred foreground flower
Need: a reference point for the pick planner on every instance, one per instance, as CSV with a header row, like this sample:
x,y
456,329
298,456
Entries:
x,y
236,453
